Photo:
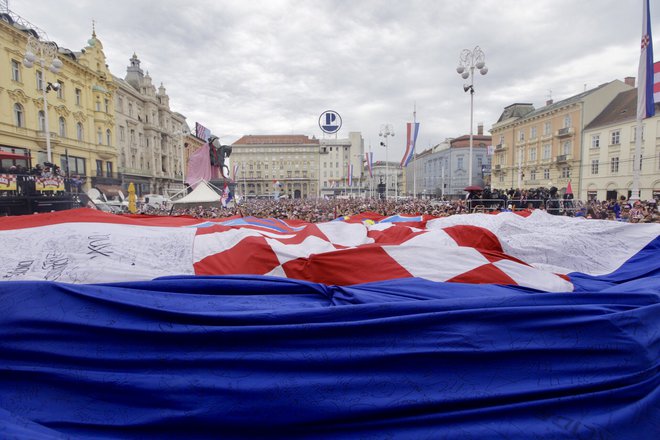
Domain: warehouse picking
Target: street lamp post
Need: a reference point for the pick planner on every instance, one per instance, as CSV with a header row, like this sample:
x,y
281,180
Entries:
x,y
386,130
466,65
45,53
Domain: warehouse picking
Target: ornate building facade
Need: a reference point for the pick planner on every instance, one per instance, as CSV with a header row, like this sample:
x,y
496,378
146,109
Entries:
x,y
79,113
151,137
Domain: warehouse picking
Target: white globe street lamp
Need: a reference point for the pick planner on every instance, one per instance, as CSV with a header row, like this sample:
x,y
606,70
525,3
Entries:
x,y
468,61
45,54
386,130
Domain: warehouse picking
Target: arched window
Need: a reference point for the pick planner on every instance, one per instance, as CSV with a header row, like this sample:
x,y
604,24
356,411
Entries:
x,y
41,118
62,123
79,131
107,137
19,115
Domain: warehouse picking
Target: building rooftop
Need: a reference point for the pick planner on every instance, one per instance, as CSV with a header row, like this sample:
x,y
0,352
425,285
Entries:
x,y
276,139
622,108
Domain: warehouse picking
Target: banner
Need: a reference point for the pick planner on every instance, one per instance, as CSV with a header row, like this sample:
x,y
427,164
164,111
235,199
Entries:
x,y
412,129
7,182
202,132
49,184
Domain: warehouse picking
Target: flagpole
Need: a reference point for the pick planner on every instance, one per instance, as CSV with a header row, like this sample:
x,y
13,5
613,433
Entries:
x,y
414,154
645,104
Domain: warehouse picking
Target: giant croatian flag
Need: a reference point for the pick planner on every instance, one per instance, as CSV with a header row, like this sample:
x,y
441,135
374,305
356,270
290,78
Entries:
x,y
469,326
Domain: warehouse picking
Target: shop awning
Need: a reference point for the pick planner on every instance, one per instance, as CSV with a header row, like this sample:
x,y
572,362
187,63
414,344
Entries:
x,y
8,155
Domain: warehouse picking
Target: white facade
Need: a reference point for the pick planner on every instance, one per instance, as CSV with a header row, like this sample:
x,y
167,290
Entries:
x,y
608,153
334,159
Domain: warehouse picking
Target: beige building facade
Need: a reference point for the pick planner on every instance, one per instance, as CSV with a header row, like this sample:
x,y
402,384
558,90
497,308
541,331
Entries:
x,y
151,137
543,147
282,165
609,150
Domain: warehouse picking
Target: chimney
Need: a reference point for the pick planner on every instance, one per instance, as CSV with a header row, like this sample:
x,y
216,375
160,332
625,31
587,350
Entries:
x,y
630,80
480,129
548,102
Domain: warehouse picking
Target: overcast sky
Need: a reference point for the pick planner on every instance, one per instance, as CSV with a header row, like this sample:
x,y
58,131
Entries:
x,y
272,67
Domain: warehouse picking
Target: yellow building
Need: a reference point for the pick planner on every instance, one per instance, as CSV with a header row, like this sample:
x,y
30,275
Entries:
x,y
79,113
542,147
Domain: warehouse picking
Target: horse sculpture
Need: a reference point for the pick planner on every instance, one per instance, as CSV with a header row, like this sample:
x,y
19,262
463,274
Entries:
x,y
218,154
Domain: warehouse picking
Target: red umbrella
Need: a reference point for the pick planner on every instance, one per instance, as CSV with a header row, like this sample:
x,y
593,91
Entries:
x,y
473,188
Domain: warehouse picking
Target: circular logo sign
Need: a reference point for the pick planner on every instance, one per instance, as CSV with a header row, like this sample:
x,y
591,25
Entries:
x,y
330,121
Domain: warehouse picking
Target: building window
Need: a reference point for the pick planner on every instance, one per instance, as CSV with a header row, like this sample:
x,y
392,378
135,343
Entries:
x,y
79,131
99,136
99,167
40,80
60,90
130,109
547,129
546,174
532,175
108,169
615,137
62,125
546,151
19,115
595,141
120,104
15,71
77,165
107,105
567,147
459,163
614,165
532,133
521,135
532,156
98,105
108,137
122,133
567,121
41,117
634,134
78,97
594,167
565,172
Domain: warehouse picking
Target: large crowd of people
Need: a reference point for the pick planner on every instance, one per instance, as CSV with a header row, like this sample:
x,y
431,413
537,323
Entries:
x,y
319,210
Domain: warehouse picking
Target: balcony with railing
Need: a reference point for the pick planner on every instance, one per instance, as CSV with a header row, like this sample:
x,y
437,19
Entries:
x,y
565,132
500,147
106,178
563,158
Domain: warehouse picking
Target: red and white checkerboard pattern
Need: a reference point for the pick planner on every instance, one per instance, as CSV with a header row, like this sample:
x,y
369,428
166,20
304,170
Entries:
x,y
350,253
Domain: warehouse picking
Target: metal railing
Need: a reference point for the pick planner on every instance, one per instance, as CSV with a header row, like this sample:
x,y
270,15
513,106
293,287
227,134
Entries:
x,y
552,205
